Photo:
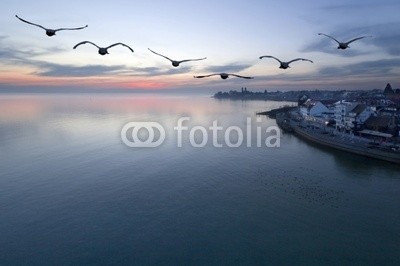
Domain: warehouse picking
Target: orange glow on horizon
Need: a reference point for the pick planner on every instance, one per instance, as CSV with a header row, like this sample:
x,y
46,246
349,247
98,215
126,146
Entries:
x,y
20,79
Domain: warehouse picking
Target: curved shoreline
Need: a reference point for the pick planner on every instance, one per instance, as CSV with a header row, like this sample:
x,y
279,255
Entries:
x,y
354,145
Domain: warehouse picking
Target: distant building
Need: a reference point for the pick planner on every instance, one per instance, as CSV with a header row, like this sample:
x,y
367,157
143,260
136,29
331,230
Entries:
x,y
384,124
356,117
388,91
342,108
390,110
302,99
311,109
393,95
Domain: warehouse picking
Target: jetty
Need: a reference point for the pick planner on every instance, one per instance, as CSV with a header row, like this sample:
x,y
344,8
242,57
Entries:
x,y
281,110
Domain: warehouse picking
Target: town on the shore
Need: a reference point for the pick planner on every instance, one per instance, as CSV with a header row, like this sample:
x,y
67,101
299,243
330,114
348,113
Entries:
x,y
372,113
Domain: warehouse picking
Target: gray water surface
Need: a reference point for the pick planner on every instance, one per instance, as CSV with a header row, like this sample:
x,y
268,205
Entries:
x,y
72,193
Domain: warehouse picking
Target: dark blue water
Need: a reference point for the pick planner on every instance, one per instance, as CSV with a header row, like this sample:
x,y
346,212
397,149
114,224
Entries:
x,y
72,193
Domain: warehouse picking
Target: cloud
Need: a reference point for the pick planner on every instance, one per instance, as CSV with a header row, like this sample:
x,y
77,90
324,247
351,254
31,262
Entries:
x,y
21,57
56,70
24,58
231,68
10,54
387,37
377,67
374,68
359,7
158,71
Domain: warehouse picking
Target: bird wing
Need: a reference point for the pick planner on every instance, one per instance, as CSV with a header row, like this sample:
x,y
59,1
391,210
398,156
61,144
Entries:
x,y
187,60
270,56
84,42
241,76
329,37
37,25
300,59
358,38
161,55
80,28
205,76
120,43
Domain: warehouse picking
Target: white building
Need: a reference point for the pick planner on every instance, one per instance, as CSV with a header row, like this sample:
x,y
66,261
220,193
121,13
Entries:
x,y
311,109
357,116
342,108
349,115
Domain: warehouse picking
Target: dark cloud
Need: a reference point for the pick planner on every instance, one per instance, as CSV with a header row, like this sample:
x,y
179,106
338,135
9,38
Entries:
x,y
25,58
359,6
21,57
367,74
383,67
158,71
55,70
387,37
10,54
375,68
231,68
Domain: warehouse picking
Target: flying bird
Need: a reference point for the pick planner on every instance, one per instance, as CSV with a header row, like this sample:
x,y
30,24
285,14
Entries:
x,y
104,50
50,32
176,63
344,45
285,65
223,76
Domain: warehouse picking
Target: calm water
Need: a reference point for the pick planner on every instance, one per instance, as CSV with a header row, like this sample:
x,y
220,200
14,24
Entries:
x,y
71,192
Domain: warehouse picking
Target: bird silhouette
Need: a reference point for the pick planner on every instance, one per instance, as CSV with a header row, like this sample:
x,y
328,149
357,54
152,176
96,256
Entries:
x,y
50,32
223,76
285,65
104,50
176,63
344,45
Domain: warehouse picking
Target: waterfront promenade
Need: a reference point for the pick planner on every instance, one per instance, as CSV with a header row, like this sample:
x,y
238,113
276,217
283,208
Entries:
x,y
330,137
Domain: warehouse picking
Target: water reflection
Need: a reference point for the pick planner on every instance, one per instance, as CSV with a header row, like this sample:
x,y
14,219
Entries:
x,y
64,171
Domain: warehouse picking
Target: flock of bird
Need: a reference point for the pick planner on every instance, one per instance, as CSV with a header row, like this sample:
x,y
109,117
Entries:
x,y
176,63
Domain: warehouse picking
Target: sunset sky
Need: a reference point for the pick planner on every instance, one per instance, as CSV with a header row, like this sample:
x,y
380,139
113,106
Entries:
x,y
231,34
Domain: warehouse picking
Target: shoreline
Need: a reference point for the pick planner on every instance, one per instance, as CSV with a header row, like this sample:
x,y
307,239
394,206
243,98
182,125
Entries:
x,y
327,137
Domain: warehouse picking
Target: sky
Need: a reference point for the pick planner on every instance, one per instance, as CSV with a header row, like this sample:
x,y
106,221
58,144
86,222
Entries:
x,y
231,34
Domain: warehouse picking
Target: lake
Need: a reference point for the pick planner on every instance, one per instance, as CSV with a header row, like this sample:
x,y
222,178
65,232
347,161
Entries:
x,y
72,192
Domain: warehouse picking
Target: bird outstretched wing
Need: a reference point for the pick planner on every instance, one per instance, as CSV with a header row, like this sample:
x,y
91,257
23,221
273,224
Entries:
x,y
80,28
270,56
84,42
161,55
358,38
206,76
243,77
187,60
120,43
329,37
300,59
37,25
